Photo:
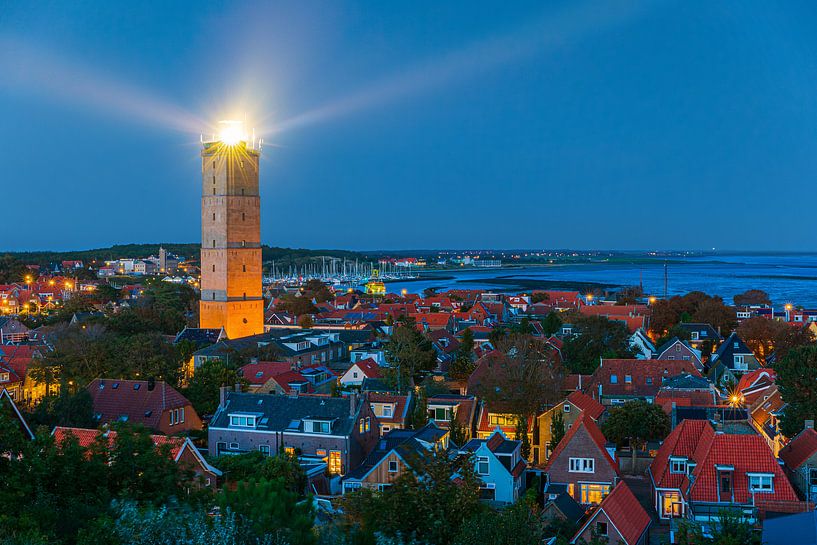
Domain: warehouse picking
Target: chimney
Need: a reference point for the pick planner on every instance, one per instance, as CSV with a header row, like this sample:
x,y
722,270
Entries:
x,y
809,424
237,387
151,384
222,395
352,404
254,361
718,423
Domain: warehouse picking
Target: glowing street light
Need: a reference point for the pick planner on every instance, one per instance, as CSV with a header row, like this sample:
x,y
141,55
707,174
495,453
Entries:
x,y
652,299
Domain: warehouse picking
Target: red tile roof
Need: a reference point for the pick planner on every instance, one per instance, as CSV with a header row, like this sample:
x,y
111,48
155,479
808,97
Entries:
x,y
369,368
399,406
799,449
682,442
114,399
586,423
259,373
86,437
640,371
624,512
587,404
747,454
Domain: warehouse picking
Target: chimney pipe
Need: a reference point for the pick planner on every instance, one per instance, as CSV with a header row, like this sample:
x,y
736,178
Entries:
x,y
809,424
237,387
222,395
352,404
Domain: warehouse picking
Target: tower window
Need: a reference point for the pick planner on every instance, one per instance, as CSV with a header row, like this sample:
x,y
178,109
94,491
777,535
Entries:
x,y
214,216
214,191
243,268
214,296
243,216
214,243
214,180
245,295
242,191
214,268
243,243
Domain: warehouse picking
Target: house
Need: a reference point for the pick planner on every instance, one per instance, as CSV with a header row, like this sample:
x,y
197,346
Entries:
x,y
441,407
698,472
201,336
620,519
12,330
571,410
699,334
445,344
392,410
799,528
338,431
765,415
617,381
499,465
181,450
9,407
151,403
732,359
396,452
433,321
560,505
360,370
642,346
676,349
496,415
583,463
259,373
800,457
686,390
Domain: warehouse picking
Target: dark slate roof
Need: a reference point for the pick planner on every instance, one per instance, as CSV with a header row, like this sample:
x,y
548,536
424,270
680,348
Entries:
x,y
279,413
406,443
727,350
376,385
667,345
800,528
686,381
568,507
199,335
705,331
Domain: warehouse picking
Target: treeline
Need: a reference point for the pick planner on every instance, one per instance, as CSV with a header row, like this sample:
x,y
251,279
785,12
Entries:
x,y
187,250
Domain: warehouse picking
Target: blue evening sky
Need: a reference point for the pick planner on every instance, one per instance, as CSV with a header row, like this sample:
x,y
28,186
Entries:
x,y
424,124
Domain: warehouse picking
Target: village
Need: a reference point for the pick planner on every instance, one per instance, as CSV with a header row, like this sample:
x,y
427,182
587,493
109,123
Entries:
x,y
607,418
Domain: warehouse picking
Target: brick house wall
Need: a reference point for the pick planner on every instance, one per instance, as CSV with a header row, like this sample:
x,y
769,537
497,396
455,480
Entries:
x,y
582,446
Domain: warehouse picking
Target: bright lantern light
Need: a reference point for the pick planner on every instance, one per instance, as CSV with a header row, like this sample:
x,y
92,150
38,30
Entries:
x,y
231,132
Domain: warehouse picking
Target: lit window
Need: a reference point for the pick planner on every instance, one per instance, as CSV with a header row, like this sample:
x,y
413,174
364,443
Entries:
x,y
334,462
289,451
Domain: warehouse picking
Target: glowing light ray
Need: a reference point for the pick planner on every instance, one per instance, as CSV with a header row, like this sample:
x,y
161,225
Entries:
x,y
543,36
67,81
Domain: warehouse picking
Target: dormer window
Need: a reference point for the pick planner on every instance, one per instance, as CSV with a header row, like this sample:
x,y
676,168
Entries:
x,y
317,426
567,407
242,421
677,465
388,410
761,482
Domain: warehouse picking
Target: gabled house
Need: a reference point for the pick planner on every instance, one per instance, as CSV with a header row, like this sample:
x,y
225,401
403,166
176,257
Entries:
x,y
360,370
395,453
619,519
765,415
698,472
700,334
617,381
686,390
12,330
151,403
676,349
445,345
800,459
732,359
392,410
338,431
571,410
433,321
583,463
499,465
181,450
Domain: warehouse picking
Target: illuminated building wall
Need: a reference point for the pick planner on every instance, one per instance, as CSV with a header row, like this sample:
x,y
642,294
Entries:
x,y
231,293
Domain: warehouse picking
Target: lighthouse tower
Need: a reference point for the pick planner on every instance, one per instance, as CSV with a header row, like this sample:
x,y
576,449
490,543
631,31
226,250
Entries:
x,y
231,294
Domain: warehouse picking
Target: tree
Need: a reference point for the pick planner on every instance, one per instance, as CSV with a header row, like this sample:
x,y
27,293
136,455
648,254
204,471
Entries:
x,y
419,416
411,355
557,430
203,389
595,337
283,467
457,433
551,324
463,364
266,507
73,410
695,306
764,336
636,422
516,525
306,322
796,376
521,377
12,270
752,298
426,503
522,436
539,296
629,295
